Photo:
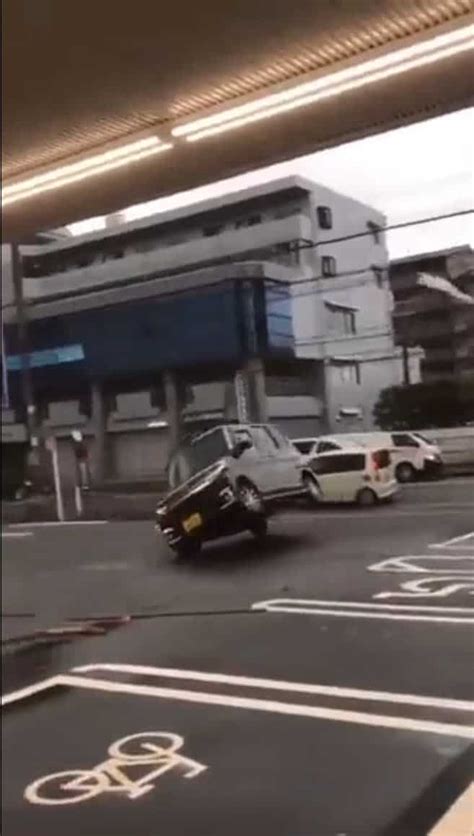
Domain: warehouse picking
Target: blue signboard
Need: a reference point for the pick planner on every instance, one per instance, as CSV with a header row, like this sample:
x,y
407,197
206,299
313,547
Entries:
x,y
48,357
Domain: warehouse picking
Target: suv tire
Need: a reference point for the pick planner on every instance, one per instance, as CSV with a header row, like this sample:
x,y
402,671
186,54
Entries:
x,y
250,498
259,528
313,491
188,548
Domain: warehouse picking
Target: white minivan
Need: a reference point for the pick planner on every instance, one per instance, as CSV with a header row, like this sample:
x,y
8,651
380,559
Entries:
x,y
412,454
355,474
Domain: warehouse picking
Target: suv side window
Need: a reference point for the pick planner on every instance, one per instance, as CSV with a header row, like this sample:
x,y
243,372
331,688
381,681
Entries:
x,y
263,441
404,440
304,447
327,446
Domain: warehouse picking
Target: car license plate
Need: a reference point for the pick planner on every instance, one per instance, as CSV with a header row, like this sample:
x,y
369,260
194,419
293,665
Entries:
x,y
192,522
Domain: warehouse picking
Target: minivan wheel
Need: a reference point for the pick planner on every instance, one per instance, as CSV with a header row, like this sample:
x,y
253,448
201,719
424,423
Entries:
x,y
405,472
250,498
312,489
366,498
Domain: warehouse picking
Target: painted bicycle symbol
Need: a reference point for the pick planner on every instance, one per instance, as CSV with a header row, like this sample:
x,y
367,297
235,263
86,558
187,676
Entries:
x,y
157,750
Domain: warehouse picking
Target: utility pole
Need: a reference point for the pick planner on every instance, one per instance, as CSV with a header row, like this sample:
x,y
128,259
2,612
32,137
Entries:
x,y
406,364
26,380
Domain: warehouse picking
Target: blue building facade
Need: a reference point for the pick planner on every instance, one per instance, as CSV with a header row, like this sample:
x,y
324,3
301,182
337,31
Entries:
x,y
223,324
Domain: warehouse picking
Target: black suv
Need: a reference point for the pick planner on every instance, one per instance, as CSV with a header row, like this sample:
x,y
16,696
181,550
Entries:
x,y
225,480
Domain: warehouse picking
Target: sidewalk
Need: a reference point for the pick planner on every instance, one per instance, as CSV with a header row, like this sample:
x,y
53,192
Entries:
x,y
128,504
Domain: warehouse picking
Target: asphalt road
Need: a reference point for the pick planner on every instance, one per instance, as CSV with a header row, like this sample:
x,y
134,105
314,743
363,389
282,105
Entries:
x,y
319,685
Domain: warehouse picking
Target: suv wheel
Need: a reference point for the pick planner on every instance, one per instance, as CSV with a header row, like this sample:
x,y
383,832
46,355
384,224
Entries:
x,y
313,491
250,498
259,528
405,472
188,548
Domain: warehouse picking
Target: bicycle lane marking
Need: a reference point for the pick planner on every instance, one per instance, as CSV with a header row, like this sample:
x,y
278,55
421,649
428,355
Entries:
x,y
111,774
242,752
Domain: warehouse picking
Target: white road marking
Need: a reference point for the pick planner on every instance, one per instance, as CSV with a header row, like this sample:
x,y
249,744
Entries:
x,y
453,543
285,605
30,690
272,706
429,587
404,564
279,685
459,819
365,605
226,700
54,523
17,534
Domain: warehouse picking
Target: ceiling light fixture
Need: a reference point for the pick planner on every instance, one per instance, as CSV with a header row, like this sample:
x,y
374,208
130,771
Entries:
x,y
90,166
301,95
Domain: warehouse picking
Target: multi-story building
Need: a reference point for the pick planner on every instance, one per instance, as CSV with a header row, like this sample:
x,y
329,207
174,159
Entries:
x,y
272,302
434,309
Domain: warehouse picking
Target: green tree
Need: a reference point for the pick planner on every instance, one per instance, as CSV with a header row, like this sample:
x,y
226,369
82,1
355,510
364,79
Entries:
x,y
444,403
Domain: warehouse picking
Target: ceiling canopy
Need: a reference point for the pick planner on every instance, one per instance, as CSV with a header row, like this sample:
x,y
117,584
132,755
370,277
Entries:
x,y
95,85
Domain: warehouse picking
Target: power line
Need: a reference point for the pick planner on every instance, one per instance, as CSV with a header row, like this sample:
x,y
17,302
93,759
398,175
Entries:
x,y
389,228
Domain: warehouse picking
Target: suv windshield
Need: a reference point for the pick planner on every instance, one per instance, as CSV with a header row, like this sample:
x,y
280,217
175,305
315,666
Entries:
x,y
196,455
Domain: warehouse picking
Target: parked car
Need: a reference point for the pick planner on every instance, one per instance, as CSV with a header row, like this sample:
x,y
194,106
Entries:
x,y
412,454
226,480
356,474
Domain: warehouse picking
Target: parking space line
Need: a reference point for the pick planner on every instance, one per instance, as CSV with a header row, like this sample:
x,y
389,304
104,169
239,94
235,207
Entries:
x,y
14,534
370,605
56,523
30,690
453,543
279,685
272,706
354,610
75,680
413,563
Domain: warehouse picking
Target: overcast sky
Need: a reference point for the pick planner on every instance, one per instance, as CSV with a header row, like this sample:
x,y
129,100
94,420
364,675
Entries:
x,y
422,170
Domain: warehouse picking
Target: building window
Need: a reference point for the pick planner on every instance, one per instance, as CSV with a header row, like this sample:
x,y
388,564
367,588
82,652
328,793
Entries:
x,y
251,220
211,230
328,266
347,372
379,274
324,214
340,319
376,230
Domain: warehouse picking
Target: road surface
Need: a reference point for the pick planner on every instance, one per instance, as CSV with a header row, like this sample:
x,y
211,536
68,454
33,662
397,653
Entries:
x,y
319,685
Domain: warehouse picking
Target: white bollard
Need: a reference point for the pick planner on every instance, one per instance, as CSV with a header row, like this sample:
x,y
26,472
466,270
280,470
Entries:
x,y
53,449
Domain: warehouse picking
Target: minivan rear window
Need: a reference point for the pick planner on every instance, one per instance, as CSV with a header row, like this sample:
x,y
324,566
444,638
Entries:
x,y
381,458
